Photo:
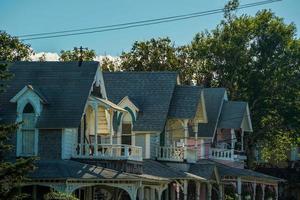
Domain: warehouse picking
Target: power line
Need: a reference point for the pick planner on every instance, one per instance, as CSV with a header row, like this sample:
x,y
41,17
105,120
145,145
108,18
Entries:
x,y
134,24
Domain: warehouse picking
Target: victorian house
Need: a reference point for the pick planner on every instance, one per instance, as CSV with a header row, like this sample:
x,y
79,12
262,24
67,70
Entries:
x,y
128,135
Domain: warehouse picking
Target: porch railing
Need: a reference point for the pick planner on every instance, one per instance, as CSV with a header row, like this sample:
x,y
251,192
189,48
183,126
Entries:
x,y
109,152
221,154
178,154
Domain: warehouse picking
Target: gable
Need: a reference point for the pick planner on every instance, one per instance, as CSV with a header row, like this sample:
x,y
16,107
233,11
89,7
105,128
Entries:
x,y
65,85
151,92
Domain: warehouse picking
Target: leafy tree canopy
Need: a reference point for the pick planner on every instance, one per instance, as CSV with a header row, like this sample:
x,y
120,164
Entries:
x,y
257,58
77,54
12,173
11,49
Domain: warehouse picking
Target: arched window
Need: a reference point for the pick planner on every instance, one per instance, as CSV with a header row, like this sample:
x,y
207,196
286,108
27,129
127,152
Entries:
x,y
28,130
126,129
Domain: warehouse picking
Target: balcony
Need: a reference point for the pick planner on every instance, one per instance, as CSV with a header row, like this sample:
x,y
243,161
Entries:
x,y
176,154
226,154
108,152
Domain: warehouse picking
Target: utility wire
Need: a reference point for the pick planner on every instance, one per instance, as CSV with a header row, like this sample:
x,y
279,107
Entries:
x,y
134,24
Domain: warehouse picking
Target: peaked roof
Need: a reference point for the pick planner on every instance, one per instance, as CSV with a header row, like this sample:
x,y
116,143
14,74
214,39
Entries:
x,y
225,170
213,102
68,169
152,91
31,88
232,114
185,101
65,85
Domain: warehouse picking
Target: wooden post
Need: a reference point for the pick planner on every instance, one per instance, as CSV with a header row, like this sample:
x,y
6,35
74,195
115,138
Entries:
x,y
185,189
198,190
209,190
242,141
81,145
111,125
186,134
96,130
254,190
221,192
276,192
239,188
141,193
263,191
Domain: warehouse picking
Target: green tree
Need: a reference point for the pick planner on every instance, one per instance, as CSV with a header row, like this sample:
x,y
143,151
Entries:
x,y
59,196
257,59
77,54
12,173
154,55
11,49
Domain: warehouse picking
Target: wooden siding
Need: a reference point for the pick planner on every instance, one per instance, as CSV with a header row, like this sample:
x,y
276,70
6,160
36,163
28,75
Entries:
x,y
69,141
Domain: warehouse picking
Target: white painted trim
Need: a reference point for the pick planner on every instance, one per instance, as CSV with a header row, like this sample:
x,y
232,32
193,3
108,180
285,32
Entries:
x,y
225,97
204,107
127,101
19,94
147,146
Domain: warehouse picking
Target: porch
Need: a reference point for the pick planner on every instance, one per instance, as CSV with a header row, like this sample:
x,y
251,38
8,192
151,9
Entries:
x,y
108,152
176,154
96,135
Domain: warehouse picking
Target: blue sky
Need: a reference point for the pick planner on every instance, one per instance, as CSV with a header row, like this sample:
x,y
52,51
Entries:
x,y
19,17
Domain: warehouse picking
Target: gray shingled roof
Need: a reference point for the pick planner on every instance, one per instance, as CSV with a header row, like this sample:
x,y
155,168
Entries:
x,y
203,170
213,101
225,170
185,101
232,114
68,169
151,90
65,85
155,170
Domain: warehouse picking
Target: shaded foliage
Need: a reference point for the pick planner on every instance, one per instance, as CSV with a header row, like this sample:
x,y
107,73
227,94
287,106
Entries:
x,y
12,173
77,54
11,49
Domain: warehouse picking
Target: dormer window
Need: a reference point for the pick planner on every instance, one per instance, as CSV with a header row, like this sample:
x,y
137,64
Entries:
x,y
30,103
126,129
28,131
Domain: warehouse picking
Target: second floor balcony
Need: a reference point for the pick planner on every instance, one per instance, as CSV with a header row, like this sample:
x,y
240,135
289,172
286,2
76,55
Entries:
x,y
176,154
108,152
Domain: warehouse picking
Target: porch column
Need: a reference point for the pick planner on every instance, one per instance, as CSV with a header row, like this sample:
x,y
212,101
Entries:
x,y
96,130
34,193
263,187
202,149
111,125
141,193
173,191
242,140
198,190
81,144
186,134
232,138
276,191
185,189
254,190
239,188
209,190
152,193
221,192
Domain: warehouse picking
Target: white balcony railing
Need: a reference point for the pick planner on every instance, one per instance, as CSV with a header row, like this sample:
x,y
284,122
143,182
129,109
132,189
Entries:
x,y
109,152
178,154
221,154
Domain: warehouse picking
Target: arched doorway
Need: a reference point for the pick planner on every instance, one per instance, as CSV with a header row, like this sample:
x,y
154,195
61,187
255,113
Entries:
x,y
101,192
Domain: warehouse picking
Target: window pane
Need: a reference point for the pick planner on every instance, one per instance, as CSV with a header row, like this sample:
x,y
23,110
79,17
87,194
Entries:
x,y
126,134
28,142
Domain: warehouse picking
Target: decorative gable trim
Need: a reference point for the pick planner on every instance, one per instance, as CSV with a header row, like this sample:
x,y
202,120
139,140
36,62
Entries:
x,y
126,101
247,119
26,89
